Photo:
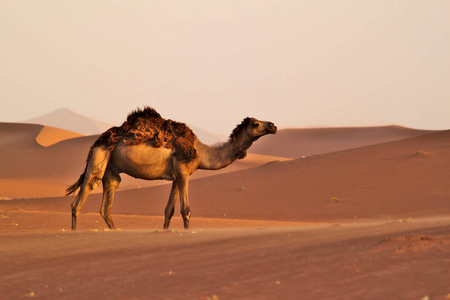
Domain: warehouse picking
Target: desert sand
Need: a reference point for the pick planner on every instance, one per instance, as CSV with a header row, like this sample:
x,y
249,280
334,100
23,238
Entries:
x,y
319,222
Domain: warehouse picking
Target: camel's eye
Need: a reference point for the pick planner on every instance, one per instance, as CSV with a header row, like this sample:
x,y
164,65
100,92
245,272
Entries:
x,y
255,124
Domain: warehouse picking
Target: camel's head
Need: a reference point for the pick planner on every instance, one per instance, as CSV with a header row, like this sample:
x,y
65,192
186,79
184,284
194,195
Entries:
x,y
252,129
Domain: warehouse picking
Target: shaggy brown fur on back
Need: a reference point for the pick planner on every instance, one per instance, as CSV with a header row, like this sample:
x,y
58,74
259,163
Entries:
x,y
147,125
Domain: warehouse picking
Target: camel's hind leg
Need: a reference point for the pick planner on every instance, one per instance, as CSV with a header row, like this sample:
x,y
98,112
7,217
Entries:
x,y
94,172
85,189
170,207
111,182
78,203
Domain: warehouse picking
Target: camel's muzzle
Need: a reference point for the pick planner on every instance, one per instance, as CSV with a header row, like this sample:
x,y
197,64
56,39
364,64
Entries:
x,y
271,128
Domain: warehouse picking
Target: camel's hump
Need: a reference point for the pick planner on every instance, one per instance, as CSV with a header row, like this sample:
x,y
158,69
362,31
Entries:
x,y
146,124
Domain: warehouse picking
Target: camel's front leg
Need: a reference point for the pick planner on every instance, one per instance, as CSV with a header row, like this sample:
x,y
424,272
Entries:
x,y
183,181
170,207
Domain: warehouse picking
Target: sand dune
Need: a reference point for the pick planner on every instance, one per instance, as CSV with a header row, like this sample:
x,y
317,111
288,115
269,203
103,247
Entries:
x,y
397,180
295,143
32,165
16,137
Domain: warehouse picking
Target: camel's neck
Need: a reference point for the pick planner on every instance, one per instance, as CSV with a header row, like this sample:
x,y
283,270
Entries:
x,y
215,158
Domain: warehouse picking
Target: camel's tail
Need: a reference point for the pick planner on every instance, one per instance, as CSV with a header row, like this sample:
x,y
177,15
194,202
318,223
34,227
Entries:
x,y
74,187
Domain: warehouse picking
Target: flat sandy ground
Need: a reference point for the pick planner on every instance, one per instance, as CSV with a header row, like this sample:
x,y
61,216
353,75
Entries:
x,y
220,259
364,223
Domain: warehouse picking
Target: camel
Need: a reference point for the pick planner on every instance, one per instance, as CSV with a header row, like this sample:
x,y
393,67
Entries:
x,y
149,147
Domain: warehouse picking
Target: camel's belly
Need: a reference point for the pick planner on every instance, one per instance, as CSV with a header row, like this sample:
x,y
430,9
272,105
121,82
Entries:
x,y
143,161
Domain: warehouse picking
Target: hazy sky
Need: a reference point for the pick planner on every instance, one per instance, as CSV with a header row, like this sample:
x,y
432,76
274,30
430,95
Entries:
x,y
211,63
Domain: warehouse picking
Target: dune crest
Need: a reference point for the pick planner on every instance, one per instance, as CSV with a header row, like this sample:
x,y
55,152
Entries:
x,y
51,135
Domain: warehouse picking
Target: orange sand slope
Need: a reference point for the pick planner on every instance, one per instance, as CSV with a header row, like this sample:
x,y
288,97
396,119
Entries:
x,y
52,135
